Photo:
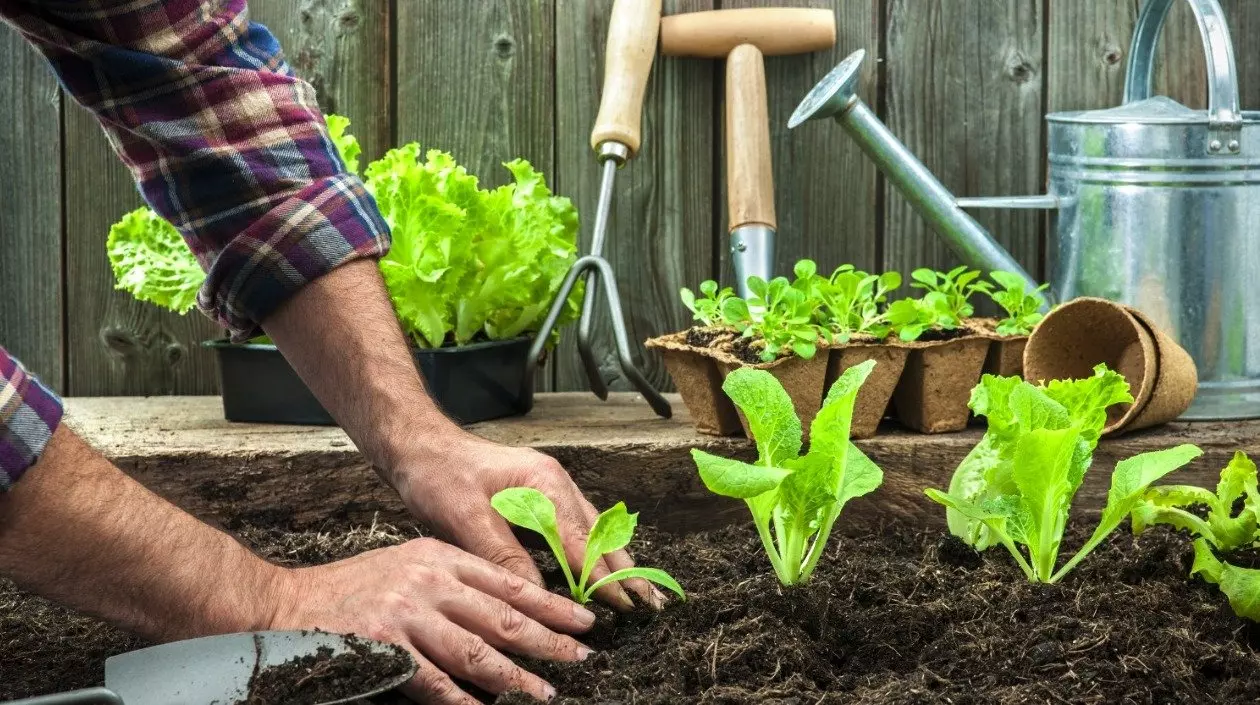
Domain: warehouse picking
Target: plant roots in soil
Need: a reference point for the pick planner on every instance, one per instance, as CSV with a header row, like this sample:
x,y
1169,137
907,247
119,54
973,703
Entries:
x,y
898,617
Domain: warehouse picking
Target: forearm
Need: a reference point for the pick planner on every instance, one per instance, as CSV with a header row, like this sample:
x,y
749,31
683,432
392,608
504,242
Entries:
x,y
342,337
77,530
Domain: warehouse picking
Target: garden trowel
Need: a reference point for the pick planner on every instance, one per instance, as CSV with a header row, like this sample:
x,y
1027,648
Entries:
x,y
213,670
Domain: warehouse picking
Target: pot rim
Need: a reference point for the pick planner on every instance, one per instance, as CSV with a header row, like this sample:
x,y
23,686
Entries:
x,y
224,343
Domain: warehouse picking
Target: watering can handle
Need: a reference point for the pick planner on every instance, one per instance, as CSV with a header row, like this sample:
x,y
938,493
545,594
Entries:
x,y
1224,111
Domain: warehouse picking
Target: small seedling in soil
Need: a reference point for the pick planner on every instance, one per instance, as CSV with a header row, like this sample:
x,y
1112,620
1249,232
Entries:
x,y
322,677
786,323
1229,525
1016,486
530,509
706,309
794,499
1021,306
944,305
851,303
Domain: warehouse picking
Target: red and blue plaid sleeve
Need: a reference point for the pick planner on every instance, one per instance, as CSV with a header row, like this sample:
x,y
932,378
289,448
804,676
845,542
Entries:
x,y
29,413
222,138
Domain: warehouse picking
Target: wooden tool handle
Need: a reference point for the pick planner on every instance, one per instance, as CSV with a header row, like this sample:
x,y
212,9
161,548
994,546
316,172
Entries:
x,y
749,169
773,30
632,33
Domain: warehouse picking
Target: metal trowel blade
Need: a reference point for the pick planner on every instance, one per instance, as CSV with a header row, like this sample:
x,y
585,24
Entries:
x,y
215,670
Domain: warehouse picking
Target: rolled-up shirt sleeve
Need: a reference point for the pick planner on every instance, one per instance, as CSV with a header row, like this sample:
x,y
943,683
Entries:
x,y
29,413
223,140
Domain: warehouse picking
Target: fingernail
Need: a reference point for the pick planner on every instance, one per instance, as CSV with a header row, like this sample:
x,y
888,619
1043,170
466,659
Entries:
x,y
624,599
584,616
658,599
584,652
549,692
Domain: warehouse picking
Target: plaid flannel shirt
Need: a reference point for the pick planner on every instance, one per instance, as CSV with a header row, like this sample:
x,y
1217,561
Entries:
x,y
223,140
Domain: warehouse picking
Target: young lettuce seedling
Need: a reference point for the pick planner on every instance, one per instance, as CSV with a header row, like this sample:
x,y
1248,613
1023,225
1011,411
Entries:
x,y
786,323
1016,486
957,285
851,300
707,308
1021,306
1220,531
530,509
911,318
794,499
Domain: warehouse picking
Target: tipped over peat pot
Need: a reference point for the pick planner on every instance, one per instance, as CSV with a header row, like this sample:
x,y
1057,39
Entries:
x,y
471,383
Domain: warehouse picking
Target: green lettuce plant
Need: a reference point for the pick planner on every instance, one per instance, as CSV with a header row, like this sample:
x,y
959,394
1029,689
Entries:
x,y
706,309
794,499
1225,521
786,322
1022,306
957,285
1016,486
852,303
945,303
466,262
530,509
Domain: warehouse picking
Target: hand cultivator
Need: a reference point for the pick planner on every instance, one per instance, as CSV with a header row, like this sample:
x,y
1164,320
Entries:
x,y
632,34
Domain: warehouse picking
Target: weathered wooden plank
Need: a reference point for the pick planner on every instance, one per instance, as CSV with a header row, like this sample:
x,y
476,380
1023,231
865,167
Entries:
x,y
825,188
964,86
615,450
478,80
117,345
342,47
660,236
30,219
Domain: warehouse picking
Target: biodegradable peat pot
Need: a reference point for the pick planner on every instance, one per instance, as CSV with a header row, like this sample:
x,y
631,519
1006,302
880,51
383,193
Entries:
x,y
470,383
802,380
876,393
1006,352
695,374
932,394
1080,334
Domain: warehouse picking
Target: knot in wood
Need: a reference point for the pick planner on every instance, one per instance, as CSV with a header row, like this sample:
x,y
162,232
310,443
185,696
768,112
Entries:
x,y
1019,68
349,21
120,341
174,352
504,46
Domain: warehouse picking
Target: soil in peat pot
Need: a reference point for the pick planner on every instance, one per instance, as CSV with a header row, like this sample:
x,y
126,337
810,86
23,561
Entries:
x,y
896,617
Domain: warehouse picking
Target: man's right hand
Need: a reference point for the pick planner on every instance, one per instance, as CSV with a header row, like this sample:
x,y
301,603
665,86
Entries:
x,y
452,611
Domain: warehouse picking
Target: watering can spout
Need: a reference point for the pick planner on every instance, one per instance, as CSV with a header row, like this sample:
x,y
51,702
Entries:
x,y
835,97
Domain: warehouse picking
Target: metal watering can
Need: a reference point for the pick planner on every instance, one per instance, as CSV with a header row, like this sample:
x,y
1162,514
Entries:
x,y
1156,206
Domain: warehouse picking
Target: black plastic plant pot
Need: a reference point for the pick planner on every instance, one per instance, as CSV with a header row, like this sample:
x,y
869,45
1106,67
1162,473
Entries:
x,y
471,383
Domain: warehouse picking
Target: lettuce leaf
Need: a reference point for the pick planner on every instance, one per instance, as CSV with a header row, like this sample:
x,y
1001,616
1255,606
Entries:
x,y
469,263
151,261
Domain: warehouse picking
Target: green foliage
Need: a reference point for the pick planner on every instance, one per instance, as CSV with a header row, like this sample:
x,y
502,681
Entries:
x,y
850,303
530,509
945,303
957,285
1221,529
1016,486
468,262
151,261
707,309
794,499
1021,306
786,323
347,145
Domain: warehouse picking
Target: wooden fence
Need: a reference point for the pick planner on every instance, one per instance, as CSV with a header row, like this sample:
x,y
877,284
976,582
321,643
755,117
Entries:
x,y
965,83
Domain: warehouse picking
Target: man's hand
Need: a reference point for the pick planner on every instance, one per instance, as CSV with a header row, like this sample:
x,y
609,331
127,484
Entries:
x,y
452,611
341,335
450,492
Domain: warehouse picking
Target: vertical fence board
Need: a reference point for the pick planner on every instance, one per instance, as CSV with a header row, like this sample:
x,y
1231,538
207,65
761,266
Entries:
x,y
30,211
342,47
964,92
660,235
825,187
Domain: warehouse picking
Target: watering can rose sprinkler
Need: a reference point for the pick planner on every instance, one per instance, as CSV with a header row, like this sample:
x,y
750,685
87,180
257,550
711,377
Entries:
x,y
1155,206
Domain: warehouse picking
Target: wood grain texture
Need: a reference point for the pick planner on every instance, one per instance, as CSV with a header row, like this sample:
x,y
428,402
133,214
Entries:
x,y
342,48
30,211
616,451
661,230
825,188
749,167
117,345
964,90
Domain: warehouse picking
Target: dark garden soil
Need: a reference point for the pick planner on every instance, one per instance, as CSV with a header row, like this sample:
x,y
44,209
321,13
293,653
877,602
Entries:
x,y
698,337
896,617
936,335
322,677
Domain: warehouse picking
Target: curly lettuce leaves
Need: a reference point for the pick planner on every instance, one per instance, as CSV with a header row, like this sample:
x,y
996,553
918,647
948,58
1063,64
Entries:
x,y
1016,486
470,263
151,261
347,145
